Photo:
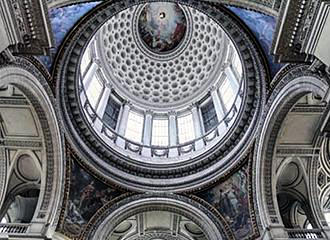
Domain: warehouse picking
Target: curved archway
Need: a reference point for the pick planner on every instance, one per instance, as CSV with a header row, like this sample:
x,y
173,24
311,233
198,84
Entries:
x,y
25,78
293,83
112,216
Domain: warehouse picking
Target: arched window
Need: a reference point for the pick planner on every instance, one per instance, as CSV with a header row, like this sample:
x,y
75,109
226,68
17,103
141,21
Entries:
x,y
85,61
227,94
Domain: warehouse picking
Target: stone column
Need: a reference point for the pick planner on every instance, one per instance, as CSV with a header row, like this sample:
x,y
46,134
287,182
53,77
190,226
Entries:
x,y
123,123
219,109
217,103
197,126
101,107
147,130
233,78
172,116
87,79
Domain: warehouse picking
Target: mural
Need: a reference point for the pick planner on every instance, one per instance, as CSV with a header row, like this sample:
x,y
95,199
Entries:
x,y
231,199
162,26
87,195
62,20
263,27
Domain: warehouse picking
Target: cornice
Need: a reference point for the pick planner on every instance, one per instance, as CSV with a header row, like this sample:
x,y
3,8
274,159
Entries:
x,y
90,147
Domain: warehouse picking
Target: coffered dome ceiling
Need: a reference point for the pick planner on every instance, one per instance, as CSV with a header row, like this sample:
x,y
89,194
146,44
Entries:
x,y
162,55
161,71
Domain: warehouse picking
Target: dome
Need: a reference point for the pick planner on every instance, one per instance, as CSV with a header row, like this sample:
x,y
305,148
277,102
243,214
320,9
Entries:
x,y
163,79
161,86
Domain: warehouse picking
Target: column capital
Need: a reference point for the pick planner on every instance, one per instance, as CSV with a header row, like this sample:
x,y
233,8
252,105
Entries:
x,y
172,113
127,103
192,106
212,89
109,85
149,112
224,66
97,61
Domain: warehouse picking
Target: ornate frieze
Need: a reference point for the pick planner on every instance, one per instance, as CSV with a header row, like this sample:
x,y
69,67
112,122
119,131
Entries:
x,y
302,32
27,27
269,7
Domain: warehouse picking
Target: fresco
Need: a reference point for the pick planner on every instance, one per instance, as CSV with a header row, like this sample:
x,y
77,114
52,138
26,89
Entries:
x,y
263,27
87,195
162,26
231,199
62,20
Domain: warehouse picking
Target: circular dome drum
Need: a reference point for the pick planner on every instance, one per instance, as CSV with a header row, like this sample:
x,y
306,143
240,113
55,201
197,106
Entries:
x,y
159,110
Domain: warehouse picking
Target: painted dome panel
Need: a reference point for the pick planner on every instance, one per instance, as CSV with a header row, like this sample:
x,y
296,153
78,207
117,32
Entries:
x,y
162,26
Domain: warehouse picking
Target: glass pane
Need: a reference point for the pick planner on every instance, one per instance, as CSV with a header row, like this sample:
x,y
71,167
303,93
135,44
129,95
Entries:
x,y
94,91
134,127
159,132
227,94
85,61
111,113
186,129
209,116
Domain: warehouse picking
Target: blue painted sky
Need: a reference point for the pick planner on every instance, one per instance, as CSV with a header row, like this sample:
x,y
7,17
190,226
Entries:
x,y
263,27
63,19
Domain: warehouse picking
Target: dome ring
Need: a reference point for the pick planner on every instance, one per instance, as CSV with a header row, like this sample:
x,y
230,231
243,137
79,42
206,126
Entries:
x,y
193,174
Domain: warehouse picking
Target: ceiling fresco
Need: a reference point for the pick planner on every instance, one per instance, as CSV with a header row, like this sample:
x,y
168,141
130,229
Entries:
x,y
85,196
63,19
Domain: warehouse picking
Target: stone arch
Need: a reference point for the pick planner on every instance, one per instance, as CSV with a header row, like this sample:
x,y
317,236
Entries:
x,y
289,86
26,76
113,214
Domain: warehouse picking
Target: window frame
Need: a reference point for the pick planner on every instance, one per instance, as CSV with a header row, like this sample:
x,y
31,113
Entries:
x,y
188,113
160,118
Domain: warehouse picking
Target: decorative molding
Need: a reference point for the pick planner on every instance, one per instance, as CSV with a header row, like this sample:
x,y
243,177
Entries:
x,y
108,217
293,82
33,84
20,144
296,151
120,168
27,26
14,101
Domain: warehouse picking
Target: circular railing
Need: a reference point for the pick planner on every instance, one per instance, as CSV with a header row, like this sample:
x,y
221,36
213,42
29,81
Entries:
x,y
211,136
